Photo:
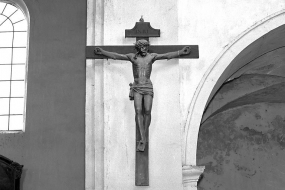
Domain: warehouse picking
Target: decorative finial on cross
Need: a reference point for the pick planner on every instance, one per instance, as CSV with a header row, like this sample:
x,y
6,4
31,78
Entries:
x,y
141,19
142,30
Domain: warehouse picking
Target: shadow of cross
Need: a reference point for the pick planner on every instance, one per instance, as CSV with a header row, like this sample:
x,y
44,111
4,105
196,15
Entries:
x,y
142,31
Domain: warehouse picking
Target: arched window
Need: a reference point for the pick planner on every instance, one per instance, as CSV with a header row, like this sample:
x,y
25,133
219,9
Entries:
x,y
13,60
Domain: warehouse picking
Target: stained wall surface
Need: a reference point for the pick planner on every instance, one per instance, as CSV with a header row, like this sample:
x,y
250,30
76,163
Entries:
x,y
52,146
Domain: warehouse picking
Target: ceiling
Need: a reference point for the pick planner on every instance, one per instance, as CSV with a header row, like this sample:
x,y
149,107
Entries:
x,y
257,74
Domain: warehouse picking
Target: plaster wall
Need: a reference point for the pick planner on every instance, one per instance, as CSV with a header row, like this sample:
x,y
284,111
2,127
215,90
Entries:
x,y
212,26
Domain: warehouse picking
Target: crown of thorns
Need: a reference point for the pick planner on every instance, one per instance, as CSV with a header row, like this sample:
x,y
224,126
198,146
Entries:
x,y
141,43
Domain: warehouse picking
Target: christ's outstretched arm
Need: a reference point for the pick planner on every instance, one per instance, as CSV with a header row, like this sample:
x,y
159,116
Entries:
x,y
111,55
170,55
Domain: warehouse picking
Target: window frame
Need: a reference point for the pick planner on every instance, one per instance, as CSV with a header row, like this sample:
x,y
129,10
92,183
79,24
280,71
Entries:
x,y
22,6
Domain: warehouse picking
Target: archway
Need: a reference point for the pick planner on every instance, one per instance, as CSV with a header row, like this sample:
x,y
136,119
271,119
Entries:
x,y
241,134
221,69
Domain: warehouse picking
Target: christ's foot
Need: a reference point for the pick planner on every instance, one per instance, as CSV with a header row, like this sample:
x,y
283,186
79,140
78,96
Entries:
x,y
141,146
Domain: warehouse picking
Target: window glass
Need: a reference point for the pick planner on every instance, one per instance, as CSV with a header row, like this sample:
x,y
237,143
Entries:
x,y
9,10
4,123
17,88
20,26
20,39
5,88
6,39
2,5
5,72
18,72
18,16
6,54
16,122
4,106
19,55
5,26
16,105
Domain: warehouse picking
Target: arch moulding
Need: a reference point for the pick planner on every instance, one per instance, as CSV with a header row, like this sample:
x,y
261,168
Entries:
x,y
210,78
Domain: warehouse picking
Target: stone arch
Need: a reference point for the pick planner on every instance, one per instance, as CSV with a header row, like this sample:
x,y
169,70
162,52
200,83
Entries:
x,y
217,73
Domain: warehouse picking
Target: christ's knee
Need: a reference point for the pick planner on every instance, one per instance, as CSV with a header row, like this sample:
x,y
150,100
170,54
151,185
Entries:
x,y
147,112
138,111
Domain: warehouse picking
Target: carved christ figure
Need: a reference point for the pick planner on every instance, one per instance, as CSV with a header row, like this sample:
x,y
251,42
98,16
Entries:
x,y
141,90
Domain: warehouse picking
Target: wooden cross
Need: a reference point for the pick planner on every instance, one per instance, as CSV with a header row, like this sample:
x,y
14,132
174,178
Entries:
x,y
142,30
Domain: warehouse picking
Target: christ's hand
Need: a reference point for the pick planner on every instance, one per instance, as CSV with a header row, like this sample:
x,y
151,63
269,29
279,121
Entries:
x,y
98,50
186,50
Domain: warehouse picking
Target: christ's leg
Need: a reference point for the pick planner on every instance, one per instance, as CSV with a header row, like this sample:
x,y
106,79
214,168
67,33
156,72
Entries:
x,y
147,113
138,99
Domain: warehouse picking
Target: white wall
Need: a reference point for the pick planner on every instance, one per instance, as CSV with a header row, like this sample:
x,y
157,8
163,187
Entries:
x,y
210,24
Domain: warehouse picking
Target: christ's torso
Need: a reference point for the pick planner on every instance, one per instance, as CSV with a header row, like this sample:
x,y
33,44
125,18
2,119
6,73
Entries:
x,y
142,67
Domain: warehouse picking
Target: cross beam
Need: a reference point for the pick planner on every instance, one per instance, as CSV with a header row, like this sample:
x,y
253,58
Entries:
x,y
142,30
152,49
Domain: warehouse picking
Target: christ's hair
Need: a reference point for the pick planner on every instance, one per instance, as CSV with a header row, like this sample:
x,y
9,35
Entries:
x,y
141,43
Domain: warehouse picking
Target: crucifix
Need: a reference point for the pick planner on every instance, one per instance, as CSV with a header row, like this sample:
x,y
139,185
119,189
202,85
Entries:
x,y
142,56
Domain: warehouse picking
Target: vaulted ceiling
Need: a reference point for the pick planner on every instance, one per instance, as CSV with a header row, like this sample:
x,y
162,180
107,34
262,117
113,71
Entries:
x,y
242,135
257,74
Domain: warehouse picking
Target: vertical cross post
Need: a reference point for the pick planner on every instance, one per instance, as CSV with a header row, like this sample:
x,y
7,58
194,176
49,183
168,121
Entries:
x,y
142,30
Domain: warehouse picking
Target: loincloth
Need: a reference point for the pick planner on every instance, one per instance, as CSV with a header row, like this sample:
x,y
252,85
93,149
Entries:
x,y
143,89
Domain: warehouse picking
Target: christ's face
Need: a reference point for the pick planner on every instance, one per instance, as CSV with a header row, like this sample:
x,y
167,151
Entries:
x,y
143,50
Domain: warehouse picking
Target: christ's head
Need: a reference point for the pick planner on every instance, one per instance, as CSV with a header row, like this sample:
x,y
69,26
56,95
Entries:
x,y
142,47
